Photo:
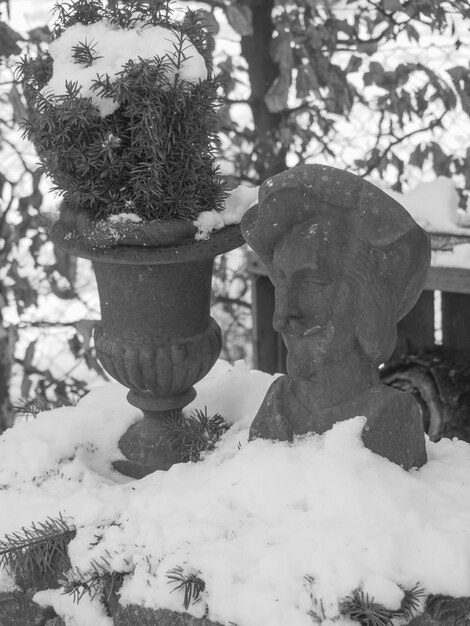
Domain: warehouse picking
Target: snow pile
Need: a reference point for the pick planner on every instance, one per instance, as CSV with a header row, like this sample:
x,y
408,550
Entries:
x,y
34,450
112,48
86,613
458,257
278,532
124,218
236,205
114,225
435,206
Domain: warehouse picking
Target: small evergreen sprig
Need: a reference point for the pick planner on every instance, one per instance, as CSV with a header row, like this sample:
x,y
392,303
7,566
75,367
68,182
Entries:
x,y
84,53
33,551
67,14
31,407
127,14
190,583
362,608
194,434
411,602
99,580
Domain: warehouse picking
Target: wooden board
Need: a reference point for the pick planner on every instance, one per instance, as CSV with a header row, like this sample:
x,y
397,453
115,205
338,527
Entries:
x,y
448,279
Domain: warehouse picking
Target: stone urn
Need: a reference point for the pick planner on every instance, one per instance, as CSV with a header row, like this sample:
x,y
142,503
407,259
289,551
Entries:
x,y
156,335
132,146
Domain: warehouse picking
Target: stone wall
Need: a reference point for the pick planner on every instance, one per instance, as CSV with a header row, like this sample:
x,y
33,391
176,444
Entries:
x,y
18,609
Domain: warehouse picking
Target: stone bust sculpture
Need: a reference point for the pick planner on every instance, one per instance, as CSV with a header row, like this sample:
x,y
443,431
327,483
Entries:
x,y
347,262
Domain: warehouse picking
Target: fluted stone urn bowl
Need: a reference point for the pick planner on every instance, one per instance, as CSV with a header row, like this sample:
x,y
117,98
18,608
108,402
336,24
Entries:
x,y
156,335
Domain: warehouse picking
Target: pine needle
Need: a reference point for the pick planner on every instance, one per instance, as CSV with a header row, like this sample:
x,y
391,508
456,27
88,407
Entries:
x,y
362,608
411,601
30,407
99,580
191,584
34,550
194,434
84,53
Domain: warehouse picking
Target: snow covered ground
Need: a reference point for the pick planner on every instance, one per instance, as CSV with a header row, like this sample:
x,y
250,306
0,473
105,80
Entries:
x,y
278,532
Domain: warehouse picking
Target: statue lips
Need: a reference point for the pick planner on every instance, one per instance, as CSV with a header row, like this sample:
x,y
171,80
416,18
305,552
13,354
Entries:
x,y
296,326
294,335
312,331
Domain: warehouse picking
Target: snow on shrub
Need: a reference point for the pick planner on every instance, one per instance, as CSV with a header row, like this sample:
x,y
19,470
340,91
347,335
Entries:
x,y
125,111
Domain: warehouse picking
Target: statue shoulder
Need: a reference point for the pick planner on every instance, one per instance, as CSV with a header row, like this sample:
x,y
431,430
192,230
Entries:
x,y
394,427
270,421
385,396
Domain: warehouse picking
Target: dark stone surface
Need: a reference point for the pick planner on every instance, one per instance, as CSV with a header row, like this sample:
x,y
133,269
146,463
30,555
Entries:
x,y
444,611
440,611
424,620
347,262
66,237
17,609
447,611
55,621
132,615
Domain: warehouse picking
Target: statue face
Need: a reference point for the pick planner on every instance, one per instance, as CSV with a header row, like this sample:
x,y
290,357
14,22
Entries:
x,y
314,304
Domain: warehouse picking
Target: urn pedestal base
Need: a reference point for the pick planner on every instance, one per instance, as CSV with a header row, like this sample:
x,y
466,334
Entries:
x,y
159,373
146,446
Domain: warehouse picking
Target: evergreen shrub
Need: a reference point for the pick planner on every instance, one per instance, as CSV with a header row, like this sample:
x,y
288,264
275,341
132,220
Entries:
x,y
154,155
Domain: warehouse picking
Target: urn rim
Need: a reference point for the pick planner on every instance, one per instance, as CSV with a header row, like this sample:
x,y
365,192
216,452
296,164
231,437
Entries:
x,y
219,242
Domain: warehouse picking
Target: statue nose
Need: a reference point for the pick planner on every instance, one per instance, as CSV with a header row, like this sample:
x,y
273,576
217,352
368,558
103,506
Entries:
x,y
285,310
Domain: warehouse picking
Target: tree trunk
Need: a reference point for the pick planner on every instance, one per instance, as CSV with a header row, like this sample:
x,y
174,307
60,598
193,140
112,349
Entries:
x,y
262,71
